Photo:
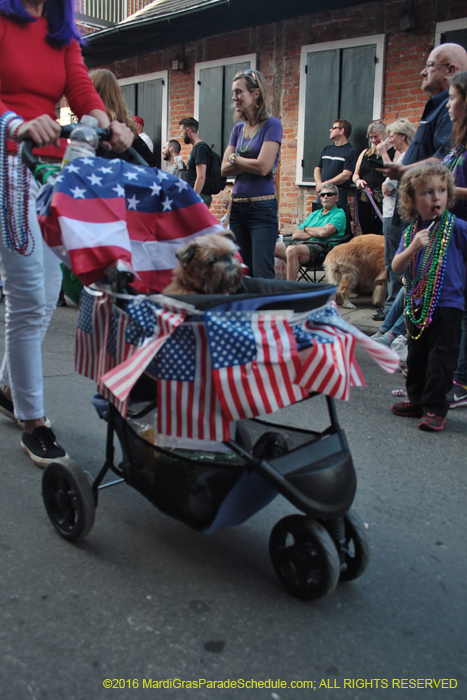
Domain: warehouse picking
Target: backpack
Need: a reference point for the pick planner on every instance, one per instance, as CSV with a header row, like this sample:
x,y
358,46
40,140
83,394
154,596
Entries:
x,y
215,182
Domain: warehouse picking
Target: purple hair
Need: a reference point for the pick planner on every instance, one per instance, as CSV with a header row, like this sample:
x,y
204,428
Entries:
x,y
60,19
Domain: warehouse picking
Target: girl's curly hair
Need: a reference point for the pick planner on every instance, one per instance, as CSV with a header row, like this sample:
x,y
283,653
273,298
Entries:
x,y
416,178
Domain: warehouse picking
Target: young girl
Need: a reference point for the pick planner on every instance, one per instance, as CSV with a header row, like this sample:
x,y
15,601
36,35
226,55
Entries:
x,y
432,254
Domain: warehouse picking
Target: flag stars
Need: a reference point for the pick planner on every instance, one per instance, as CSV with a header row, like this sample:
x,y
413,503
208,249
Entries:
x,y
155,189
167,204
119,190
131,175
72,168
133,202
94,179
78,193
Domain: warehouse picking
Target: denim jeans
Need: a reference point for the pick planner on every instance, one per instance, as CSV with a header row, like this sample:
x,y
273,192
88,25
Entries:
x,y
394,320
392,236
32,285
256,228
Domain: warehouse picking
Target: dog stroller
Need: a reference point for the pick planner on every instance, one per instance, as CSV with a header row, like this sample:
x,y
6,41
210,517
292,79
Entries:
x,y
205,453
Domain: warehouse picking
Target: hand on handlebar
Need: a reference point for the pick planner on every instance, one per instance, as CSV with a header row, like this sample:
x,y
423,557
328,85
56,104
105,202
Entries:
x,y
122,137
42,130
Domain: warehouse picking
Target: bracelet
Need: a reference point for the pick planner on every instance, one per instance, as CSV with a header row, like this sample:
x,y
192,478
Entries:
x,y
232,158
13,127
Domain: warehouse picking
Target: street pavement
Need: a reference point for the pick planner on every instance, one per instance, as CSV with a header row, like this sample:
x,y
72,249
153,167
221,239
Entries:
x,y
145,599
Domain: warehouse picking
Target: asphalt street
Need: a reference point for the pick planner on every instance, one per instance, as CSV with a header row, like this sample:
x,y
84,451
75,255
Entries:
x,y
144,599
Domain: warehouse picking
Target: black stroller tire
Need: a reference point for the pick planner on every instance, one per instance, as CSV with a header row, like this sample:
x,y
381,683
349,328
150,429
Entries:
x,y
304,557
68,499
357,547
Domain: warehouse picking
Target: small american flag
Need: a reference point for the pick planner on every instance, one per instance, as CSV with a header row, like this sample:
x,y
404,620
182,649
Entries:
x,y
113,346
187,400
95,312
147,329
255,362
99,211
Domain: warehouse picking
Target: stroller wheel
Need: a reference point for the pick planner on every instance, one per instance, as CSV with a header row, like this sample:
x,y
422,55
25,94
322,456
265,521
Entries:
x,y
304,557
68,500
357,547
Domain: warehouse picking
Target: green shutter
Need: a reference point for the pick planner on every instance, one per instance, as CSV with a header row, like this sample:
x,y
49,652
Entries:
x,y
357,91
458,36
150,109
321,106
129,95
210,106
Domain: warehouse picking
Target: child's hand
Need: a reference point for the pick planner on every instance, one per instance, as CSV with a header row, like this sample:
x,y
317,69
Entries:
x,y
421,239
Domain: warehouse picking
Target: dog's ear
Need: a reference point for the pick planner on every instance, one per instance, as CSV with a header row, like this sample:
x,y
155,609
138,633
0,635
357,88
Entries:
x,y
186,254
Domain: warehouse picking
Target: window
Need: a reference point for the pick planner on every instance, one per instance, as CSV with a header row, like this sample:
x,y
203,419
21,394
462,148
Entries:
x,y
213,98
338,80
146,95
454,31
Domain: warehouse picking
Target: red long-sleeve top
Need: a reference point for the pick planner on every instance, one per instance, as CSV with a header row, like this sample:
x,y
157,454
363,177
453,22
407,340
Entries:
x,y
35,75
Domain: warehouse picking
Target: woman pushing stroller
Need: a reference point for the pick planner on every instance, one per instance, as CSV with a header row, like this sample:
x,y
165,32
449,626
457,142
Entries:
x,y
40,61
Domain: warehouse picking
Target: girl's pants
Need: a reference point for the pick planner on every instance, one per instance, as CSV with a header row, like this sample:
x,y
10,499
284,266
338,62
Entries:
x,y
31,285
432,359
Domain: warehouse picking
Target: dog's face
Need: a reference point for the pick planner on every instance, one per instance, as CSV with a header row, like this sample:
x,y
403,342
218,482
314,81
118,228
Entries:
x,y
208,265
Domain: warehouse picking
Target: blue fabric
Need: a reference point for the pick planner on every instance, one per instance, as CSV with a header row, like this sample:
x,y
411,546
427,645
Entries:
x,y
460,375
256,228
394,320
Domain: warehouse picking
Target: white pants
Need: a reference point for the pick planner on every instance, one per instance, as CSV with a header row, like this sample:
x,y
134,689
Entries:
x,y
32,285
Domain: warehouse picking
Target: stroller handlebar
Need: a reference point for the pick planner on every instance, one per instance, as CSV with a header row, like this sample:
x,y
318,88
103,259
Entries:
x,y
32,161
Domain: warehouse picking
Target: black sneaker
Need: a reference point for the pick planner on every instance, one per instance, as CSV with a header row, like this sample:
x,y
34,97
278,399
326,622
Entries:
x,y
457,396
380,315
6,407
8,410
42,447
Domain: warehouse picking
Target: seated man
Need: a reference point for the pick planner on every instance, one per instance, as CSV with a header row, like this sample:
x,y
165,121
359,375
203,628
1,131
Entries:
x,y
322,228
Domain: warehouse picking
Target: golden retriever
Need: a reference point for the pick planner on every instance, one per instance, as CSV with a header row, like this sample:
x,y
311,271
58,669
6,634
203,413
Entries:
x,y
357,264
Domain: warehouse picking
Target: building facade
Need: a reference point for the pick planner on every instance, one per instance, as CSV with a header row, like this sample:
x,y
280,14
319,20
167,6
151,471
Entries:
x,y
359,62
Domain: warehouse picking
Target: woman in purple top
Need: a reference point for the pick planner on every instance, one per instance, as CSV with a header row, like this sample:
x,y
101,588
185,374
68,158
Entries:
x,y
251,157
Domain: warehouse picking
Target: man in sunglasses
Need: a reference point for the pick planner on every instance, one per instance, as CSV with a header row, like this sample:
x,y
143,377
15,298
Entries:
x,y
321,230
336,163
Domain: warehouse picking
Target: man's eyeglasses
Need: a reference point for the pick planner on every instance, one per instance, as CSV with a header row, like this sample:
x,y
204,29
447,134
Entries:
x,y
328,194
431,64
334,127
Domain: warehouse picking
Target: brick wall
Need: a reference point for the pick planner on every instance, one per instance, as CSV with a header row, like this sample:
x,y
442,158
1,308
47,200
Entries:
x,y
278,49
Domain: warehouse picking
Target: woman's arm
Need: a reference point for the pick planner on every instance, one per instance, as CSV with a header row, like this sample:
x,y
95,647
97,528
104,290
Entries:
x,y
356,176
227,169
401,260
261,165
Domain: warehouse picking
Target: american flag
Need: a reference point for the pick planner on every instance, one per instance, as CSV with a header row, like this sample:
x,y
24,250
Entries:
x,y
161,323
99,211
188,406
255,362
113,346
329,365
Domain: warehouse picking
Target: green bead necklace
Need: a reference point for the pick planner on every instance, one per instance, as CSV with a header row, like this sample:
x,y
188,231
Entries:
x,y
247,146
425,279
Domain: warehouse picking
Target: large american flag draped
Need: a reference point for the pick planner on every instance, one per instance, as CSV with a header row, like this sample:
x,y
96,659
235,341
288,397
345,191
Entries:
x,y
99,211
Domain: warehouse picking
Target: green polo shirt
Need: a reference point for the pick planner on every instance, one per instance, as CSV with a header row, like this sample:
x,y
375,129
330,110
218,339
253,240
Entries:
x,y
336,217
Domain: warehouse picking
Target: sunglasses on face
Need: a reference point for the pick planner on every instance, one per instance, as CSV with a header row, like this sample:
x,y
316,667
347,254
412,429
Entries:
x,y
328,194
